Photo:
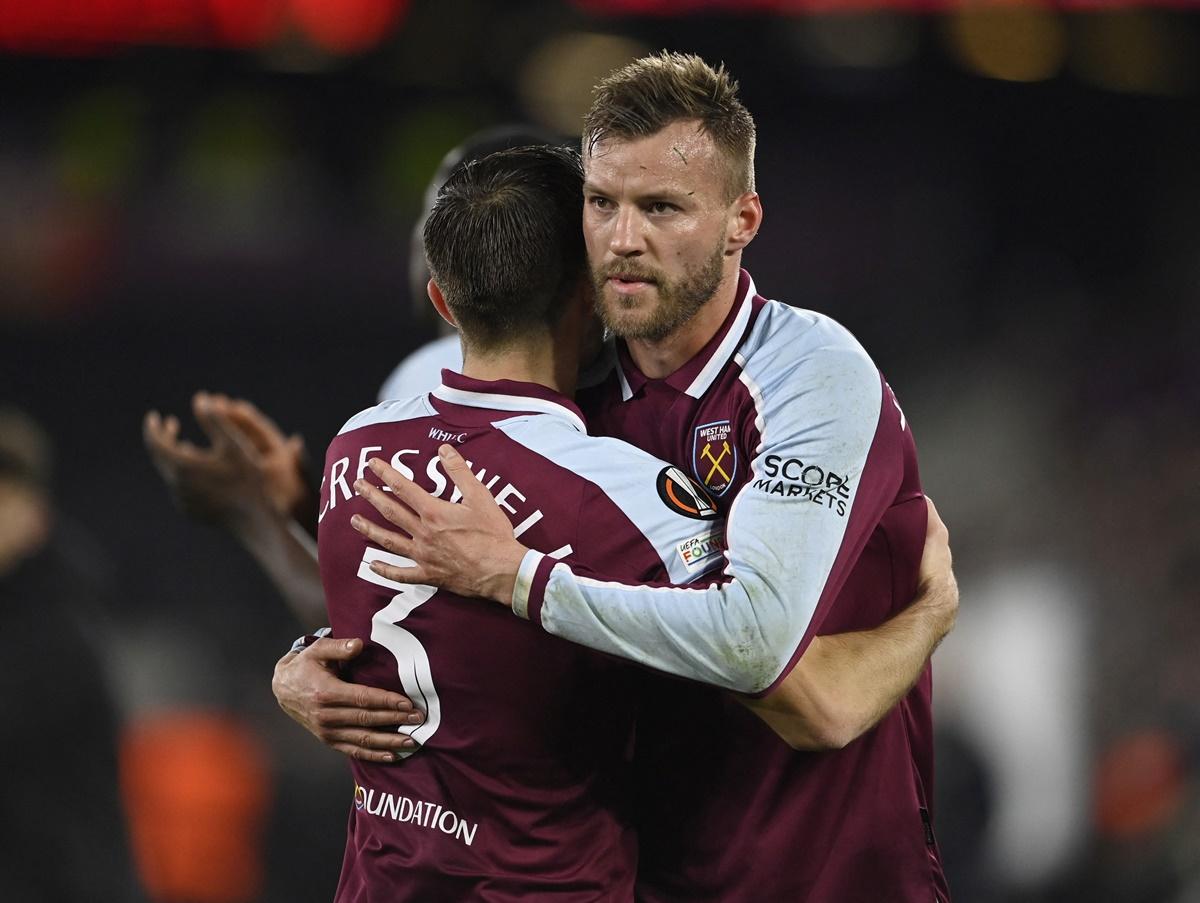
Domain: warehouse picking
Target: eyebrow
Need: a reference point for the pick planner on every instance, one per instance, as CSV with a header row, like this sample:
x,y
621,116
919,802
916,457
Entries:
x,y
661,194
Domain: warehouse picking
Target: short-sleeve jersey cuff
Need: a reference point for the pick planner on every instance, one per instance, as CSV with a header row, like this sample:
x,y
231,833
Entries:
x,y
308,639
524,584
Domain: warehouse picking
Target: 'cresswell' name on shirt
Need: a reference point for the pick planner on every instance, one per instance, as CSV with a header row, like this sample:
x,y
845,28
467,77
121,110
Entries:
x,y
507,496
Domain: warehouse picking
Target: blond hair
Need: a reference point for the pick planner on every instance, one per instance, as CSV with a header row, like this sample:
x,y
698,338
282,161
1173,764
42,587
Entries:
x,y
649,94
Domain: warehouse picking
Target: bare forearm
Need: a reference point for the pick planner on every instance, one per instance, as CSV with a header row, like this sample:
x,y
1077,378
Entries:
x,y
845,683
288,556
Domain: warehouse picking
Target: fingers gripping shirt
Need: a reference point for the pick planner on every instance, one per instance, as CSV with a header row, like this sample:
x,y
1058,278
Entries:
x,y
823,436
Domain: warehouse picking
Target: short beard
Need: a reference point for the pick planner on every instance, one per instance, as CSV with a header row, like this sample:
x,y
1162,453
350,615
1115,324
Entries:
x,y
678,301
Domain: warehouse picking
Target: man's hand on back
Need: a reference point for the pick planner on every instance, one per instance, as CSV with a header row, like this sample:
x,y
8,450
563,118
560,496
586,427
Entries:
x,y
466,548
937,590
349,718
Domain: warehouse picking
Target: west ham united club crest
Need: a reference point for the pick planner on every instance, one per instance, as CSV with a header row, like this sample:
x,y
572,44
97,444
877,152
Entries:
x,y
714,456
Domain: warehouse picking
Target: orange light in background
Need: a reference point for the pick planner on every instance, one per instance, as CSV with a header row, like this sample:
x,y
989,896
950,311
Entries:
x,y
1141,782
1024,43
347,26
196,788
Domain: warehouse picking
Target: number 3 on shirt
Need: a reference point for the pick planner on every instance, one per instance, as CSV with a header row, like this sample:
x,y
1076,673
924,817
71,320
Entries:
x,y
412,662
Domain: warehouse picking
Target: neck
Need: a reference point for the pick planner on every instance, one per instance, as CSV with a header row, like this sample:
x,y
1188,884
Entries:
x,y
541,361
657,359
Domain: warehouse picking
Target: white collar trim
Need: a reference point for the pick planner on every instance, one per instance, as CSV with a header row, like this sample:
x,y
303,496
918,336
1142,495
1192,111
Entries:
x,y
498,402
729,344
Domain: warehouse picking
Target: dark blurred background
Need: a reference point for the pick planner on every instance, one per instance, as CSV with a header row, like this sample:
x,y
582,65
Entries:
x,y
1001,201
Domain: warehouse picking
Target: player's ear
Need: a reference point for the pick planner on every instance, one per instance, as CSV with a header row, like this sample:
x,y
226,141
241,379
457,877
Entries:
x,y
745,218
439,303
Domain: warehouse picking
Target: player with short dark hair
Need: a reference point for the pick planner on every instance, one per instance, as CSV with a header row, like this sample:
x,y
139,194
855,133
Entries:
x,y
422,369
519,791
493,218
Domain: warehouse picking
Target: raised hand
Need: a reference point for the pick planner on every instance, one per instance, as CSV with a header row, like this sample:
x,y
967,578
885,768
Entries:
x,y
936,586
249,464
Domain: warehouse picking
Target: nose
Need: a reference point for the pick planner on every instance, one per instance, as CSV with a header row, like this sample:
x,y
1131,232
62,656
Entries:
x,y
628,238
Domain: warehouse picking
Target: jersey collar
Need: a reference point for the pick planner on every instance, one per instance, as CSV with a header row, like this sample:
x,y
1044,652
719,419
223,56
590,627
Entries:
x,y
508,395
696,376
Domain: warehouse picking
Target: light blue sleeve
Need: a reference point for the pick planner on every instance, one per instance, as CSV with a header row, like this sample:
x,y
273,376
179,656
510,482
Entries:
x,y
817,412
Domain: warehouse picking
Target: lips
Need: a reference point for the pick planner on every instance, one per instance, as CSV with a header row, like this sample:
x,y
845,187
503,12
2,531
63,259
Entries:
x,y
627,284
630,277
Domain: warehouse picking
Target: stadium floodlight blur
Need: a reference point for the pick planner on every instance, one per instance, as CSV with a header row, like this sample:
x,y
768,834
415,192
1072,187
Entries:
x,y
786,7
88,26
347,27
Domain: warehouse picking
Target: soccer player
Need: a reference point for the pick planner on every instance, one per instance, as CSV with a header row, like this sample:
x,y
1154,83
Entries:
x,y
422,370
520,790
788,424
252,479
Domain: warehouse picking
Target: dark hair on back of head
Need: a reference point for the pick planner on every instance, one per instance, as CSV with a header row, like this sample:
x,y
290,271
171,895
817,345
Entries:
x,y
505,244
649,94
473,147
489,141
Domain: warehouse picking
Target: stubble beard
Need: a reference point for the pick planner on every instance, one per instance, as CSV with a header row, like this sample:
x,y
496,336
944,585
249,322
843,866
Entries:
x,y
678,300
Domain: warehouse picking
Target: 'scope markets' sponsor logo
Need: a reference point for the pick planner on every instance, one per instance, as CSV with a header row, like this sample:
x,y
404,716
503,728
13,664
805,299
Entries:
x,y
793,478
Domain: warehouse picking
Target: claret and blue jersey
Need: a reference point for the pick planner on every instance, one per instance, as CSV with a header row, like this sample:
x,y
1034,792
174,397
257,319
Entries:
x,y
799,441
520,790
792,435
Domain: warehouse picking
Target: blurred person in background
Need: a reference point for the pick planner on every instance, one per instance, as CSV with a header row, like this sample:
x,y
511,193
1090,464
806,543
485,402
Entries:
x,y
252,480
64,835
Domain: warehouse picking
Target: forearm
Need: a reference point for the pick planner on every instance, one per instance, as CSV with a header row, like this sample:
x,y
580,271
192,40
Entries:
x,y
736,635
787,555
288,556
738,632
845,683
306,507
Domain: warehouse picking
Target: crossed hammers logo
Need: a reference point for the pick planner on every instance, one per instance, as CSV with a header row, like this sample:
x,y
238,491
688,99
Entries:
x,y
716,462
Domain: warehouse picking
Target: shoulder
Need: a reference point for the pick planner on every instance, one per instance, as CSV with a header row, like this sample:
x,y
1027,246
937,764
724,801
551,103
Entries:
x,y
388,412
794,357
624,485
593,458
794,343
